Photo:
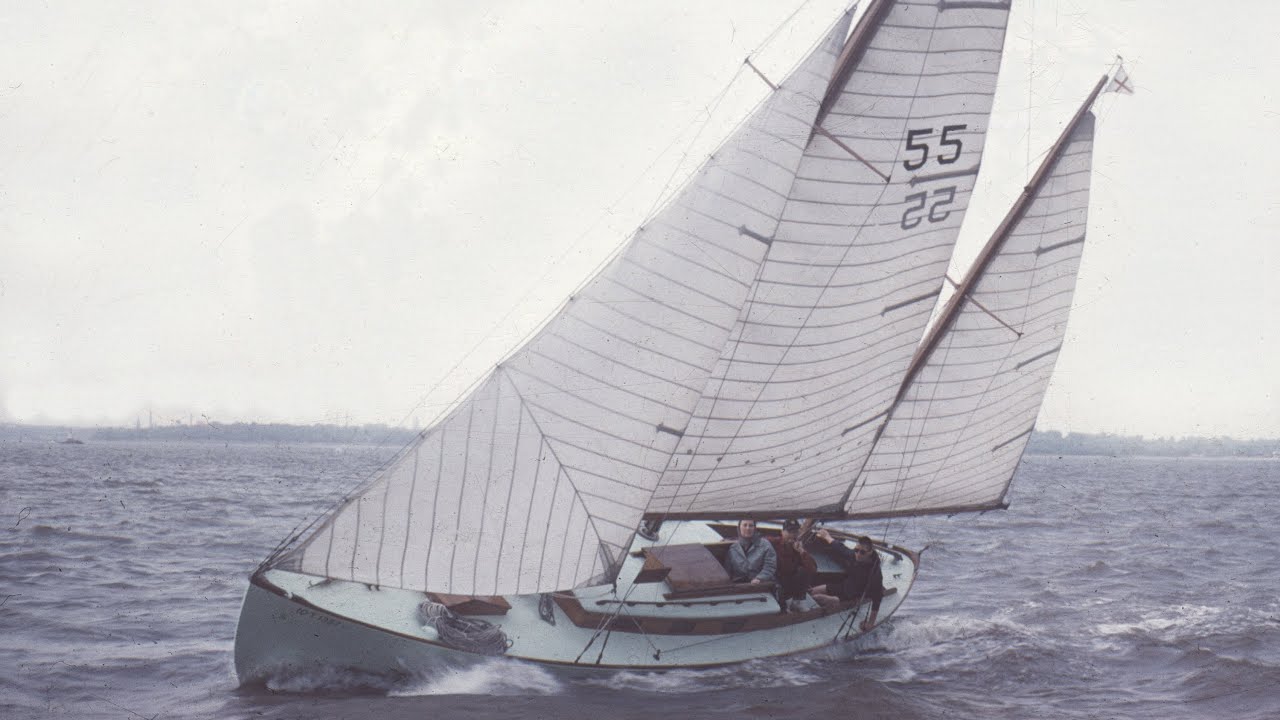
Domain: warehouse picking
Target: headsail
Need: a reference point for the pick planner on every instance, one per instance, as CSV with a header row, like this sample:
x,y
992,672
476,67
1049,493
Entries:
x,y
538,480
832,320
970,401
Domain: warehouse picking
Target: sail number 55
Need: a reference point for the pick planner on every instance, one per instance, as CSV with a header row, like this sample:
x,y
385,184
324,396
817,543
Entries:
x,y
945,157
925,205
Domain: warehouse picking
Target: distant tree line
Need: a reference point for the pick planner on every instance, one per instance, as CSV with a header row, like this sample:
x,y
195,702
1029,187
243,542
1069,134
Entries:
x,y
372,434
1055,443
1042,443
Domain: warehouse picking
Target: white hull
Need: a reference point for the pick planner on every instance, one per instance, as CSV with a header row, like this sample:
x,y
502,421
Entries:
x,y
294,624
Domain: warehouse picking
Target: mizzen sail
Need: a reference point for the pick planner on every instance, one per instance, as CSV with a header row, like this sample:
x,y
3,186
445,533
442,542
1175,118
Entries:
x,y
539,478
969,404
832,320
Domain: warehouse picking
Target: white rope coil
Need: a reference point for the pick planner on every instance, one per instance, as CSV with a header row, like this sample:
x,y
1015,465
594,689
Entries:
x,y
464,633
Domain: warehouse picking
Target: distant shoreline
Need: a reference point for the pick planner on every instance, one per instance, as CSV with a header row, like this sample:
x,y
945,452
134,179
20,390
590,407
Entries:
x,y
373,434
1042,443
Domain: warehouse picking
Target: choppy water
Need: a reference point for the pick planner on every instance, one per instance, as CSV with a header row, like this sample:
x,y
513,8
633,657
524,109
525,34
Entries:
x,y
1113,588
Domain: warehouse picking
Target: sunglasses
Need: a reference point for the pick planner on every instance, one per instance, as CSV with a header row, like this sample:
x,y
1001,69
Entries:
x,y
861,551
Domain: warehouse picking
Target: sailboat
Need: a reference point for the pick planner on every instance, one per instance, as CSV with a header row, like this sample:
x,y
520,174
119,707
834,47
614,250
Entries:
x,y
761,348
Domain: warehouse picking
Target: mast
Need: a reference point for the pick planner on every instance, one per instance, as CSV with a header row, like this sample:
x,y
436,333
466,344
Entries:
x,y
993,245
852,53
979,267
845,292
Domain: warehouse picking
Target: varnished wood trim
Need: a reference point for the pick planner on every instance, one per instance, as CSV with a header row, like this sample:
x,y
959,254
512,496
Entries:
x,y
586,618
720,590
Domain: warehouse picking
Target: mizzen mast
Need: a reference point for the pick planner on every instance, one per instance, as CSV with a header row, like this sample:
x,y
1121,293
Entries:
x,y
942,327
993,246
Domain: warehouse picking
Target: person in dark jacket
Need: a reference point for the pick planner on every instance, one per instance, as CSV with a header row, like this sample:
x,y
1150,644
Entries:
x,y
796,567
862,580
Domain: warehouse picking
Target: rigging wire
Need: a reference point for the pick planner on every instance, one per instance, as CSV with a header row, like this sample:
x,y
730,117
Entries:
x,y
701,122
1031,78
710,110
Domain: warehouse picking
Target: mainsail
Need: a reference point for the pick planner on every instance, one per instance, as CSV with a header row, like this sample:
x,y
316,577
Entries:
x,y
831,322
539,478
738,357
970,400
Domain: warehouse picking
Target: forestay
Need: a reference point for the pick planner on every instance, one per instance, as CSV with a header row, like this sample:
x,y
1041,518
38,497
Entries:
x,y
853,272
538,480
956,437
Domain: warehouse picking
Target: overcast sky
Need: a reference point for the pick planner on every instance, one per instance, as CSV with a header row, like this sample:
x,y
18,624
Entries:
x,y
331,212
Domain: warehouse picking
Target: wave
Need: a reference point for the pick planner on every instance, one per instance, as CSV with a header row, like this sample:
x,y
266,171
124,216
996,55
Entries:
x,y
327,680
756,674
1213,675
1200,649
137,482
25,559
68,533
931,631
491,677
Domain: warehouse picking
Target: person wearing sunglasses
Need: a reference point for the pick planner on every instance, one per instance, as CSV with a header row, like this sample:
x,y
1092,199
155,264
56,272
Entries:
x,y
862,579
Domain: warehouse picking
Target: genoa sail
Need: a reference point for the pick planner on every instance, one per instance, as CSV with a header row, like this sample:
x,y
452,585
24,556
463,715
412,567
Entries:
x,y
966,411
833,317
539,478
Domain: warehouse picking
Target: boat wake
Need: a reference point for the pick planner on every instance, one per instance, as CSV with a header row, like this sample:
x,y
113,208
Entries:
x,y
328,680
1185,624
499,676
927,633
754,674
493,677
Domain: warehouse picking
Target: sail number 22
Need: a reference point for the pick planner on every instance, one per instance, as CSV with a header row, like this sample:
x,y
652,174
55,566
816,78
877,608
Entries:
x,y
915,212
919,208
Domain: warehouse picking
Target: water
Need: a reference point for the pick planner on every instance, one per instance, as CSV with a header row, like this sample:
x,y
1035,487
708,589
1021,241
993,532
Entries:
x,y
1112,588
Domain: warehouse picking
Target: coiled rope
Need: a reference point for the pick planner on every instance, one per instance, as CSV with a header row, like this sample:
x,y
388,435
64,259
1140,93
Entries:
x,y
464,633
